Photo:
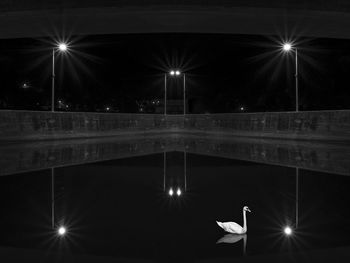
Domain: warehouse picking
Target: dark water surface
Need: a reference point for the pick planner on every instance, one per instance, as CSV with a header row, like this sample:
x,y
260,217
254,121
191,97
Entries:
x,y
123,209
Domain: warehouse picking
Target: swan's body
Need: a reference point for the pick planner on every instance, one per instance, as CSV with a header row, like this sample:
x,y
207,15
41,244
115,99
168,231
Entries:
x,y
234,228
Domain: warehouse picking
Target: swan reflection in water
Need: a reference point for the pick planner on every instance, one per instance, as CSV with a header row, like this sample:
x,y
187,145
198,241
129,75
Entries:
x,y
234,238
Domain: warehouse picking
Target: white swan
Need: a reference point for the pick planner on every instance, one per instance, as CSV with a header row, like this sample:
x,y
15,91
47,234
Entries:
x,y
234,228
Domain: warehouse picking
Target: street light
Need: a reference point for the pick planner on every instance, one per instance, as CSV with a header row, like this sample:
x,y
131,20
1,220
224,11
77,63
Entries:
x,y
173,73
178,192
62,231
288,230
287,47
171,191
61,47
25,86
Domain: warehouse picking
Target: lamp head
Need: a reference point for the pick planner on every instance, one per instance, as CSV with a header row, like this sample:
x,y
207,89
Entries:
x,y
288,230
178,192
62,231
175,73
62,47
287,47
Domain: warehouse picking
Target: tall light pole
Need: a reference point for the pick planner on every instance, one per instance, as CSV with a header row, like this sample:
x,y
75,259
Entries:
x,y
175,73
287,47
62,47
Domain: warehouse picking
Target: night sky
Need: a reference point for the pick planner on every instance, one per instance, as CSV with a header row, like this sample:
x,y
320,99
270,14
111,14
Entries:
x,y
223,72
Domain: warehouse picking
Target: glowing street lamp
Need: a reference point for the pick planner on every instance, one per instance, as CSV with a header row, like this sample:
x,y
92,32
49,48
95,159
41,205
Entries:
x,y
171,192
288,47
178,192
174,73
25,86
62,231
61,47
288,230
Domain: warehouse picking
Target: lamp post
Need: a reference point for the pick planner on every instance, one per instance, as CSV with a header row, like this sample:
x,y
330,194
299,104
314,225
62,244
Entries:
x,y
62,47
175,73
287,47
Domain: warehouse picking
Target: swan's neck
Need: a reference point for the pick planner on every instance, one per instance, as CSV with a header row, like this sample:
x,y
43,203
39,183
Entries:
x,y
244,221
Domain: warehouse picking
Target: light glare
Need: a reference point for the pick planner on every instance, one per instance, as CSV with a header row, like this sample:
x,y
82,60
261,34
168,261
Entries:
x,y
62,46
288,231
171,192
172,73
62,231
178,192
287,47
177,73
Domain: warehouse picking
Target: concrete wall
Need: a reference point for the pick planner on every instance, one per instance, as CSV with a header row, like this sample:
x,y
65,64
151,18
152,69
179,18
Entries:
x,y
318,125
22,125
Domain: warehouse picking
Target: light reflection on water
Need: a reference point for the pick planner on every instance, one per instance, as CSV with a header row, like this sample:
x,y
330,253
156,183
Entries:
x,y
118,208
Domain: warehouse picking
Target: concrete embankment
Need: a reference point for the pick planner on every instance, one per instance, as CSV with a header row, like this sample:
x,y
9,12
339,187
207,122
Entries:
x,y
316,125
309,125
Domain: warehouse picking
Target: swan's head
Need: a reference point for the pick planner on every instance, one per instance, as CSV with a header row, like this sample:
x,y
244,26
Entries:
x,y
246,208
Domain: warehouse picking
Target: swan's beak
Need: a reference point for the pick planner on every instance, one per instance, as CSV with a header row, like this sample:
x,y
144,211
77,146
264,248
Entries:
x,y
248,210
